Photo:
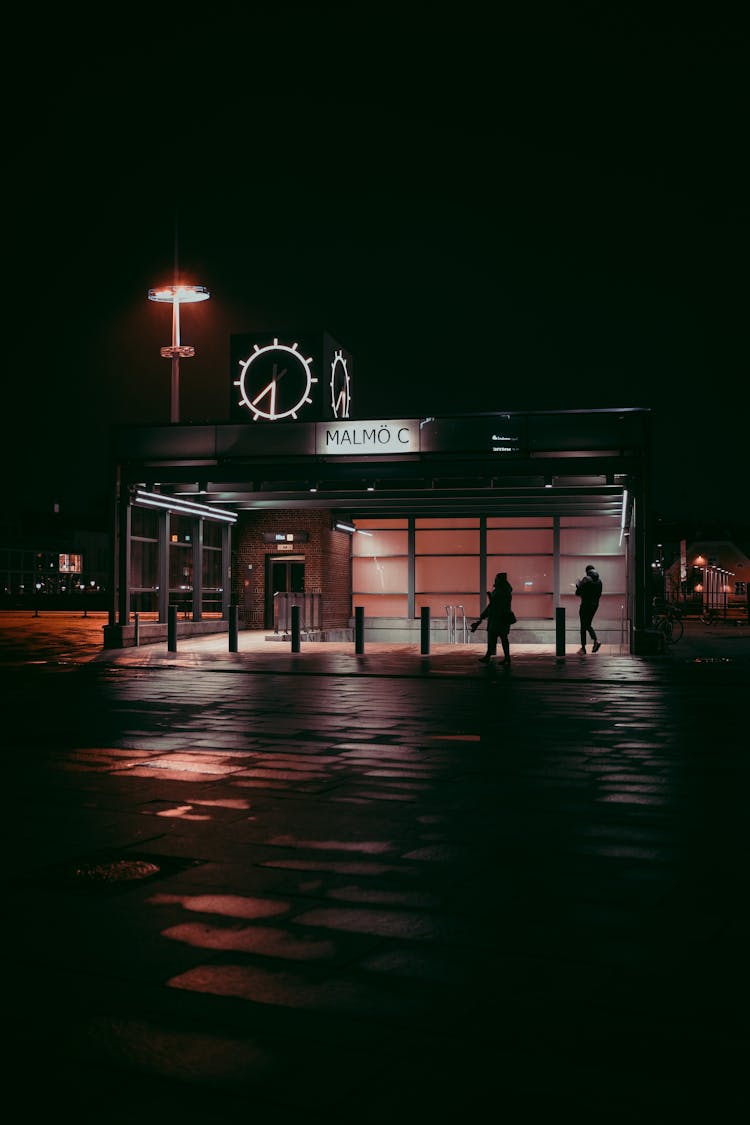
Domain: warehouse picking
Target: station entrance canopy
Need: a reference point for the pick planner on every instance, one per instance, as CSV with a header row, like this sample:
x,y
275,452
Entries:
x,y
556,462
543,467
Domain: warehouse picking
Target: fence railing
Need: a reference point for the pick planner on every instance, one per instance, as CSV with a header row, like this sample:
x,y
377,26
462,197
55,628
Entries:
x,y
309,611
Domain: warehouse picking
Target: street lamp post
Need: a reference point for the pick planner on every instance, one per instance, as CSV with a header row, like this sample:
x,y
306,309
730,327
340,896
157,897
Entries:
x,y
177,295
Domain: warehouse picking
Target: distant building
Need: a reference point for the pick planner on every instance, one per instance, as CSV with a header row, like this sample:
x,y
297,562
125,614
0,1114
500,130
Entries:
x,y
61,559
711,573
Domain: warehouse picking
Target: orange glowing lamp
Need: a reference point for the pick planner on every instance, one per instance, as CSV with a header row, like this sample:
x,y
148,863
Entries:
x,y
176,295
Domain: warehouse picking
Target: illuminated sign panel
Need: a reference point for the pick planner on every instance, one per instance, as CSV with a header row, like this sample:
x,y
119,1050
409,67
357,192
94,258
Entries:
x,y
286,536
367,438
500,434
70,564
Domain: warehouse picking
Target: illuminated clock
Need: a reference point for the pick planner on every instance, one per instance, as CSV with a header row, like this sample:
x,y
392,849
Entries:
x,y
341,393
275,381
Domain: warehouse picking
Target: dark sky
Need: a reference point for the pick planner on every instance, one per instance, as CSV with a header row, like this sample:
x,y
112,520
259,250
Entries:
x,y
549,213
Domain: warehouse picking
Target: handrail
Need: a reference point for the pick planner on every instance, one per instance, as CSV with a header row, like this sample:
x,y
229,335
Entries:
x,y
452,615
309,607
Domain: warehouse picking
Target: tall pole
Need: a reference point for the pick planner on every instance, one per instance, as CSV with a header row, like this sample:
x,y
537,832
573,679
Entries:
x,y
174,412
174,399
177,294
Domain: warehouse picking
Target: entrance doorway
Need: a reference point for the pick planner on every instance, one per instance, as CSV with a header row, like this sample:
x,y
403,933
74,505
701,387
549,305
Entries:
x,y
283,576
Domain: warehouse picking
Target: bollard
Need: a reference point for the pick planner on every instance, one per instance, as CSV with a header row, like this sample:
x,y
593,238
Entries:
x,y
425,630
172,628
233,620
136,629
359,629
560,631
295,628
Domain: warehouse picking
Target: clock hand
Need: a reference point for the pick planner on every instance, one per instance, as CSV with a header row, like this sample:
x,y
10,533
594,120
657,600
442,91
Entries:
x,y
270,389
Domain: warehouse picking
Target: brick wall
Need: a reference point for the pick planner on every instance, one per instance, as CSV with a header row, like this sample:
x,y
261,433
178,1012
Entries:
x,y
327,556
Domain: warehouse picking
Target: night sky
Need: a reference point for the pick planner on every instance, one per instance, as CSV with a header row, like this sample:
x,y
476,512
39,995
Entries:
x,y
551,213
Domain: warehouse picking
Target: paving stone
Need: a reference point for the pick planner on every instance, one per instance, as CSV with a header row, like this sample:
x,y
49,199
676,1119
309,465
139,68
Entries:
x,y
402,888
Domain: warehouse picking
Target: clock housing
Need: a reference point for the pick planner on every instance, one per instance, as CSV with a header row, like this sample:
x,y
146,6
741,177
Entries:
x,y
289,376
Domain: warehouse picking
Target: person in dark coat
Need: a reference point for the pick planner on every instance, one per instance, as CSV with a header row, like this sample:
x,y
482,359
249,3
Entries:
x,y
589,590
499,617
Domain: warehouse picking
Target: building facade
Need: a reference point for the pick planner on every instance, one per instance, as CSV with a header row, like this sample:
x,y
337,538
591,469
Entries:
x,y
389,516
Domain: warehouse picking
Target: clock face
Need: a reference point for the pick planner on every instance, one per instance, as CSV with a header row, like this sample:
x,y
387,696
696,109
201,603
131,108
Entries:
x,y
275,381
340,386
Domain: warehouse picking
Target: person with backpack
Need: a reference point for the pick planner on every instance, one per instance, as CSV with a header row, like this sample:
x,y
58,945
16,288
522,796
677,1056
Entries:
x,y
589,590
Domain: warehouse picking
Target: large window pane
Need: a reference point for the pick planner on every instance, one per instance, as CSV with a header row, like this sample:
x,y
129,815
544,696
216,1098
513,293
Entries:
x,y
531,574
212,533
144,522
521,541
211,569
528,606
456,573
181,529
144,560
612,572
380,543
447,542
586,540
144,601
381,605
379,576
180,566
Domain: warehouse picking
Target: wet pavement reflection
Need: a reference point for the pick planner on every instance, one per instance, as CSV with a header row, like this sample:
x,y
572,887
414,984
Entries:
x,y
343,888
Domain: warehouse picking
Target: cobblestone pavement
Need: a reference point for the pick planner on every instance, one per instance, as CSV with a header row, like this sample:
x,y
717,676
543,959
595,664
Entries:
x,y
322,887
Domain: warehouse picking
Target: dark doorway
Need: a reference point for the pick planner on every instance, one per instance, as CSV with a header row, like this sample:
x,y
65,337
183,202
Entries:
x,y
283,576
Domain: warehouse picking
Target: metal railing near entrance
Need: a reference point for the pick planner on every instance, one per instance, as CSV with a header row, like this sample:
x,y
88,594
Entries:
x,y
456,624
309,611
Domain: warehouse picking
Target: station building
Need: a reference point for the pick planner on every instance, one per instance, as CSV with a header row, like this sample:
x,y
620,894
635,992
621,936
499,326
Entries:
x,y
292,500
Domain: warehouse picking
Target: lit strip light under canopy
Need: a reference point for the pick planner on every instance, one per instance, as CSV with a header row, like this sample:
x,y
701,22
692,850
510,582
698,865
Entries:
x,y
623,515
184,507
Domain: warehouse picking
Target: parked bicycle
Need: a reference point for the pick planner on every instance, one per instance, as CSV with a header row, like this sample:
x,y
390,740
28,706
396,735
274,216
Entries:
x,y
668,620
710,616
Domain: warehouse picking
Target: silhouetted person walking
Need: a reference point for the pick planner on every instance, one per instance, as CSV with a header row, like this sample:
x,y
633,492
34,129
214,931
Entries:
x,y
499,617
589,590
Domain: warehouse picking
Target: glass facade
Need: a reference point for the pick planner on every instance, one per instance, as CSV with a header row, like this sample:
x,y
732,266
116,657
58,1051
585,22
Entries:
x,y
144,561
399,566
191,542
212,588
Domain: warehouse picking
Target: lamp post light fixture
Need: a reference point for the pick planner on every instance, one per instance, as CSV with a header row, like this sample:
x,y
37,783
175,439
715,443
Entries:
x,y
176,295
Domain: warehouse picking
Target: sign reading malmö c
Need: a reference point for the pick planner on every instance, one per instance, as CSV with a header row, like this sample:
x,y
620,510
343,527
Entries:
x,y
367,438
